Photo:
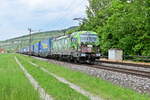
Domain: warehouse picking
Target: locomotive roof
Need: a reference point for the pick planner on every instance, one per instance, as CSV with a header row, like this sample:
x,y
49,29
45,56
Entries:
x,y
62,37
82,32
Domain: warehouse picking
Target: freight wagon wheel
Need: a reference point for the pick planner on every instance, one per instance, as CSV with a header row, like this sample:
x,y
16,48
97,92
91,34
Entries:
x,y
72,59
75,61
80,62
69,59
59,58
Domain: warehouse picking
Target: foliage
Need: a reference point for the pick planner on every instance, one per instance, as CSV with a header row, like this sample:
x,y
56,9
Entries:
x,y
71,30
121,24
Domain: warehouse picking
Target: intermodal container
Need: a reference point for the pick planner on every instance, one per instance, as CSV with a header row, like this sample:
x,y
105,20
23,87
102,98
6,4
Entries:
x,y
45,47
36,49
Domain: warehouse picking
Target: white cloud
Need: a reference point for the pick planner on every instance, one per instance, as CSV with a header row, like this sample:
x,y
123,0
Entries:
x,y
17,15
52,4
32,3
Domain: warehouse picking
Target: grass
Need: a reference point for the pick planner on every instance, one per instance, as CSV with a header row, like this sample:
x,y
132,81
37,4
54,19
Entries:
x,y
58,90
13,83
92,84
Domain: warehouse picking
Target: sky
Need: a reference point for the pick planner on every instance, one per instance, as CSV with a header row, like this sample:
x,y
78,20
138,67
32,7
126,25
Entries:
x,y
16,16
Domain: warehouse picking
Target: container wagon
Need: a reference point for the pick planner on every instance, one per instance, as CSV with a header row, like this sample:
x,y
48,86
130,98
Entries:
x,y
45,48
36,49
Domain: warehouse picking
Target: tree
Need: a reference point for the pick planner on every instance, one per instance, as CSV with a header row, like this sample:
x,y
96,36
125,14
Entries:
x,y
121,24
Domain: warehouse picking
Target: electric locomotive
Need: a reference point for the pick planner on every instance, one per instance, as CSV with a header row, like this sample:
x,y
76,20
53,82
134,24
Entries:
x,y
86,45
80,47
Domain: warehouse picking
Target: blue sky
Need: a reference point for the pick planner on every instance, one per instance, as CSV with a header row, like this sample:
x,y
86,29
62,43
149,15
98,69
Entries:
x,y
17,15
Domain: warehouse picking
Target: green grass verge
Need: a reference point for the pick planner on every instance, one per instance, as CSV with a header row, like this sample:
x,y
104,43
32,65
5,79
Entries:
x,y
58,90
13,84
95,85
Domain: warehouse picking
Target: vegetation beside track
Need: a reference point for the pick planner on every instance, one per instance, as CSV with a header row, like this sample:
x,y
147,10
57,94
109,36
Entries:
x,y
123,24
13,84
92,84
58,90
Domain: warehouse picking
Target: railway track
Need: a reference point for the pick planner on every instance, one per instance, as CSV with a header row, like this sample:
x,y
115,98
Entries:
x,y
127,64
123,70
138,71
145,74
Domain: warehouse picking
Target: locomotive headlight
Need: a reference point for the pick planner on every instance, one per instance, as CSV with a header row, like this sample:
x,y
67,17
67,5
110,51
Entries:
x,y
98,54
83,54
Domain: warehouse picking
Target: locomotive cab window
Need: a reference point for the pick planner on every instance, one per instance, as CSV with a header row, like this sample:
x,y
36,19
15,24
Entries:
x,y
88,38
74,39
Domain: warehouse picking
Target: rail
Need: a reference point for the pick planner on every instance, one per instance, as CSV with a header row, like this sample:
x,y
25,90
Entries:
x,y
132,58
124,70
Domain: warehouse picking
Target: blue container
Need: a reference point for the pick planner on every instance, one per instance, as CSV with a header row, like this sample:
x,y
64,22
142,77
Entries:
x,y
45,47
36,49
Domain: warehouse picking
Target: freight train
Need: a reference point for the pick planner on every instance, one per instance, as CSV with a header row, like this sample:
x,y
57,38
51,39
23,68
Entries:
x,y
78,47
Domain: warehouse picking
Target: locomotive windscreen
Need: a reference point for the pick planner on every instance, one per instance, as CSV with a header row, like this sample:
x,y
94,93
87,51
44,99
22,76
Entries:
x,y
88,38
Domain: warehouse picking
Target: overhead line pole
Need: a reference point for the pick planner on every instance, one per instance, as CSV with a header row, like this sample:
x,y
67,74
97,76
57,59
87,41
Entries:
x,y
30,40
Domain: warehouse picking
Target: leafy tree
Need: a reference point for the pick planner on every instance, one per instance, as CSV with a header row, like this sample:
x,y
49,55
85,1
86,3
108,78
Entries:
x,y
121,24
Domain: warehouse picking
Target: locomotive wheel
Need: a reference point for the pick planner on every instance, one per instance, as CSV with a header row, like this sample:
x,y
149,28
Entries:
x,y
92,62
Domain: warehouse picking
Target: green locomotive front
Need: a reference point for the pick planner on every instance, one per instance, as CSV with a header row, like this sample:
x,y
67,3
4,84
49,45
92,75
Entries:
x,y
86,46
79,47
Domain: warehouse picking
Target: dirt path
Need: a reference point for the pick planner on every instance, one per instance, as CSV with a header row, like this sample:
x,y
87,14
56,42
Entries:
x,y
73,86
43,94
